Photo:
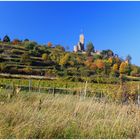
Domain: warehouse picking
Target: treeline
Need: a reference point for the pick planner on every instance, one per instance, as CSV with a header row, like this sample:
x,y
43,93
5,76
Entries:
x,y
29,57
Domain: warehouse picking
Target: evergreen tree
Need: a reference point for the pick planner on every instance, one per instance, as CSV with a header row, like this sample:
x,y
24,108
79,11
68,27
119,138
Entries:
x,y
90,48
6,39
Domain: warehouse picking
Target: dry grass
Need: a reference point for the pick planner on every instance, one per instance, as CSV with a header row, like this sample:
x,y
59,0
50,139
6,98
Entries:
x,y
66,116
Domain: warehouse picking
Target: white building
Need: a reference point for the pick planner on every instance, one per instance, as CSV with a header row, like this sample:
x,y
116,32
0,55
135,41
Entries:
x,y
75,48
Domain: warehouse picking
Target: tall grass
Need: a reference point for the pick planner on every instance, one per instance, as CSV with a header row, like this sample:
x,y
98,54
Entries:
x,y
66,116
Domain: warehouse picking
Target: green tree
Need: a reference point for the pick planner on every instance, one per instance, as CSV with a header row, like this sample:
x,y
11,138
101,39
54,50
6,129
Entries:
x,y
30,45
107,67
107,53
128,58
6,38
128,69
60,48
134,71
26,39
90,48
97,56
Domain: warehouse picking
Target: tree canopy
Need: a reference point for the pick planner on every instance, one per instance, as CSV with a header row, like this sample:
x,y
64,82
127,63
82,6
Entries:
x,y
90,48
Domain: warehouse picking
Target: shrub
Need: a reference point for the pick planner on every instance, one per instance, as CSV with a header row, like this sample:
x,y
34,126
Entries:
x,y
25,57
16,42
34,52
26,39
1,50
28,70
6,39
2,67
45,57
50,73
30,45
49,44
59,47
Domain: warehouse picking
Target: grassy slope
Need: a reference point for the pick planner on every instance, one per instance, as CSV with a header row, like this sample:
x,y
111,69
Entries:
x,y
65,116
13,59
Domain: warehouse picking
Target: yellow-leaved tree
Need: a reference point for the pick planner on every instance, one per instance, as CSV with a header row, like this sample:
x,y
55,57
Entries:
x,y
44,57
122,68
64,60
115,68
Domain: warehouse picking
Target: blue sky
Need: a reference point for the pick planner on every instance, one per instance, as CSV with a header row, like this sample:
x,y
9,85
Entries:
x,y
109,25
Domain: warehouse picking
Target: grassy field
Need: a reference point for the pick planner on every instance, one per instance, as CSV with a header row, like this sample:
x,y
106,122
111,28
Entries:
x,y
25,114
29,115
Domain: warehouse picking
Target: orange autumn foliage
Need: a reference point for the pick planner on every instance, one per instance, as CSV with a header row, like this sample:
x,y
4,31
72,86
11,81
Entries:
x,y
100,64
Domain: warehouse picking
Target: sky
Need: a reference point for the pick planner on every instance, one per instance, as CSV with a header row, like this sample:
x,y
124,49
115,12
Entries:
x,y
108,25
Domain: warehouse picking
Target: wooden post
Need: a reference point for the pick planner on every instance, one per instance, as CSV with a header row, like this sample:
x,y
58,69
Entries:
x,y
29,85
138,95
66,89
39,86
80,93
101,93
53,91
13,90
85,90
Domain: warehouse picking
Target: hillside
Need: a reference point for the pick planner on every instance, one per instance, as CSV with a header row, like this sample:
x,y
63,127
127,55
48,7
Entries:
x,y
30,58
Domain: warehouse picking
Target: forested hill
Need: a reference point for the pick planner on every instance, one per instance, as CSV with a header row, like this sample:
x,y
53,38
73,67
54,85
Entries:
x,y
30,58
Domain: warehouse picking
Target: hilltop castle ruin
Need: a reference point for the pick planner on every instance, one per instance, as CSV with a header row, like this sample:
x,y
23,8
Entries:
x,y
80,46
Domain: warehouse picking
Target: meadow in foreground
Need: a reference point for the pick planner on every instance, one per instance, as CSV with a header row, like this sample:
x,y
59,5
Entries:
x,y
30,115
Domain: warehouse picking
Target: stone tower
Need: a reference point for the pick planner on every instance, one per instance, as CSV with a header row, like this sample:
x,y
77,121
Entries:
x,y
80,46
82,38
81,42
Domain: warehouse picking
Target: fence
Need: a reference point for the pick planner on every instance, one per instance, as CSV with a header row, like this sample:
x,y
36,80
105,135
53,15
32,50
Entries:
x,y
55,90
81,91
